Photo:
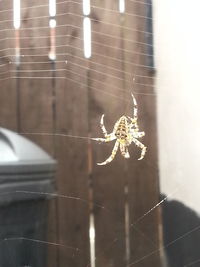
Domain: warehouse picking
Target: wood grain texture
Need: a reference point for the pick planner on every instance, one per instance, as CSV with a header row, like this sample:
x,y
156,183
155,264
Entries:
x,y
72,119
35,91
108,181
123,57
8,93
143,175
36,94
84,90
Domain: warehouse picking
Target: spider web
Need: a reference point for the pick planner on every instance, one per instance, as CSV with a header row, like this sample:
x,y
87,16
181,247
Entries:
x,y
174,188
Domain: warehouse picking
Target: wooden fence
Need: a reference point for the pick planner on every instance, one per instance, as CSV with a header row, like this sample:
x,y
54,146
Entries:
x,y
70,101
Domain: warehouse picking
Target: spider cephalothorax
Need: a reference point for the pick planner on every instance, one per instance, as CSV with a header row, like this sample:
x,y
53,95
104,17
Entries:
x,y
125,132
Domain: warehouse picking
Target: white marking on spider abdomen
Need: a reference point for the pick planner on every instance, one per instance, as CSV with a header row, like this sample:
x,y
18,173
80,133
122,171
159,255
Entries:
x,y
122,129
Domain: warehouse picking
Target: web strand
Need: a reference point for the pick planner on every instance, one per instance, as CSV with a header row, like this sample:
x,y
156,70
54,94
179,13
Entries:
x,y
193,230
62,72
77,250
76,15
74,2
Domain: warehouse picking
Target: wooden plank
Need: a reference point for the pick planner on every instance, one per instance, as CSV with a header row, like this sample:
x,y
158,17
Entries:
x,y
108,181
8,99
34,88
142,175
72,119
36,94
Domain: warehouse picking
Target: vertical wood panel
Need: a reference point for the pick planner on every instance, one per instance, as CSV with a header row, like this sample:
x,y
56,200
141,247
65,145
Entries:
x,y
35,93
35,90
109,100
142,175
71,102
8,116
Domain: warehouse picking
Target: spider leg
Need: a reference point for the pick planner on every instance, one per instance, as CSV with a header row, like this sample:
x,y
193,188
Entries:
x,y
137,134
135,109
135,117
116,126
133,124
124,151
103,128
108,138
143,147
114,151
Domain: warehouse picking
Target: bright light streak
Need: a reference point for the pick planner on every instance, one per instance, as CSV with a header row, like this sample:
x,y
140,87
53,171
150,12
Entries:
x,y
86,7
52,8
52,23
92,234
121,6
92,240
16,14
87,37
52,56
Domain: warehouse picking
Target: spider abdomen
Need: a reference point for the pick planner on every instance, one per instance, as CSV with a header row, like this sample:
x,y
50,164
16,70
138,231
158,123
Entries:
x,y
122,131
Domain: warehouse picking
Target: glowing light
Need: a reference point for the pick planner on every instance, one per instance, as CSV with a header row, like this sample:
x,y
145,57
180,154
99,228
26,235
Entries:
x,y
16,14
52,23
52,56
92,234
121,6
86,7
87,37
92,241
52,8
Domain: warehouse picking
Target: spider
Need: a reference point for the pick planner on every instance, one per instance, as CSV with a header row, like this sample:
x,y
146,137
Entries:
x,y
125,132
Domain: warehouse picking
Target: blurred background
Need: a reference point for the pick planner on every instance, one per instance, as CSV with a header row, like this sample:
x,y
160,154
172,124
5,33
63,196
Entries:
x,y
62,65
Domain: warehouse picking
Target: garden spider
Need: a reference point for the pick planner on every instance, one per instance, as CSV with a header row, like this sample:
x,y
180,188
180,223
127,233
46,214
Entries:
x,y
126,131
